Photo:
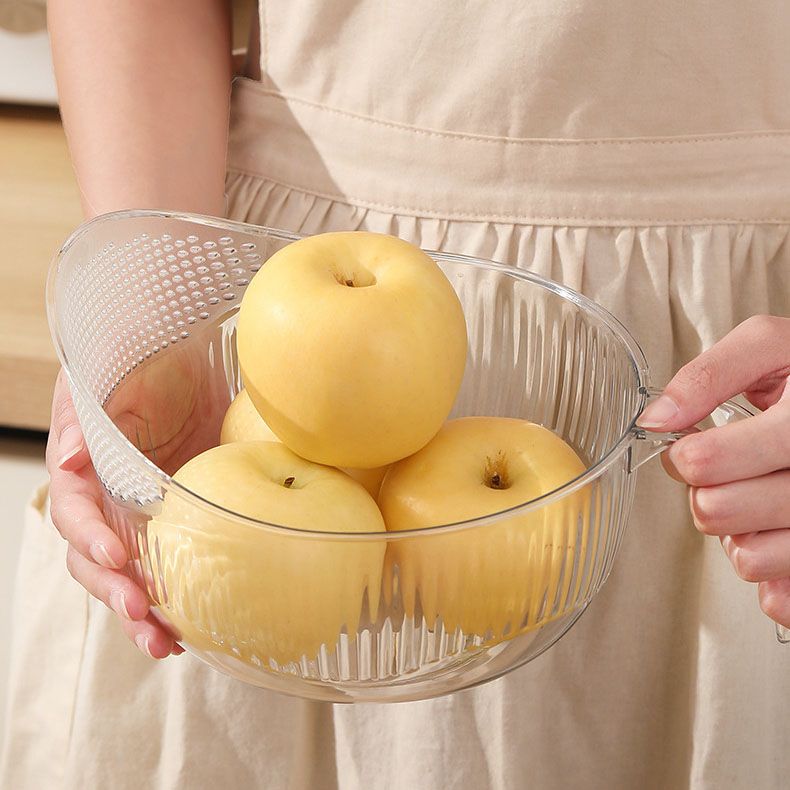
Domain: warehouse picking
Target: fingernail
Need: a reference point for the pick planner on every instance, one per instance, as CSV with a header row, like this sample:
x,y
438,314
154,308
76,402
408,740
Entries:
x,y
658,413
71,442
101,556
118,604
726,544
141,640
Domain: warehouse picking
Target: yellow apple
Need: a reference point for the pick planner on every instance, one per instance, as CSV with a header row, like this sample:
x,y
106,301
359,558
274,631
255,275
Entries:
x,y
257,593
242,423
509,575
352,347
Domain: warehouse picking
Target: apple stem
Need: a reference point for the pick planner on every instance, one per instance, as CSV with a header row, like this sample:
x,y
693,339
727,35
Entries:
x,y
288,482
495,474
354,279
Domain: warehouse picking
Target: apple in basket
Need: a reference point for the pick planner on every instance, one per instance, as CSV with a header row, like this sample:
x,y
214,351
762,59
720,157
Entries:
x,y
242,423
259,593
500,578
352,347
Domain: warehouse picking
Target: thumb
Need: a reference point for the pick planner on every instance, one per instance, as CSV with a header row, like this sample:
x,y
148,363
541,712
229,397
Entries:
x,y
756,350
67,446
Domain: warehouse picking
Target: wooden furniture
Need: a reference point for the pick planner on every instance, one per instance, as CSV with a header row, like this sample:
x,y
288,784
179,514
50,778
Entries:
x,y
39,208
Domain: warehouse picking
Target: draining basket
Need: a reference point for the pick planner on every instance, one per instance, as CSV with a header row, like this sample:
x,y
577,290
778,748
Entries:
x,y
143,310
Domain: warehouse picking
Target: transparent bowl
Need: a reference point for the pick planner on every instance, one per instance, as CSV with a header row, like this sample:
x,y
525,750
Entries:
x,y
143,310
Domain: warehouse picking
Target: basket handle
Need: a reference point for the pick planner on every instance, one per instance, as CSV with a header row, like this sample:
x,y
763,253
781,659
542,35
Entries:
x,y
648,444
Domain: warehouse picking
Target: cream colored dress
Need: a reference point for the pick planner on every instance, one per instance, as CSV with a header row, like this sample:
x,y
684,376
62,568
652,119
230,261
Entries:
x,y
637,151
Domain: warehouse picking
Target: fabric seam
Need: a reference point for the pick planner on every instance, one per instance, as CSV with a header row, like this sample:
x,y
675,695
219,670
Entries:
x,y
508,218
521,141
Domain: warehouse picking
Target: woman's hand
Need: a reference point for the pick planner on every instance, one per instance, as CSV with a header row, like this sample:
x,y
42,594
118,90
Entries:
x,y
141,104
95,555
144,94
739,473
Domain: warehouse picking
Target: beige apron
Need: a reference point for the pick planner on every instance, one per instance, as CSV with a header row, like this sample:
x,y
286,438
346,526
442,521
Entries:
x,y
637,151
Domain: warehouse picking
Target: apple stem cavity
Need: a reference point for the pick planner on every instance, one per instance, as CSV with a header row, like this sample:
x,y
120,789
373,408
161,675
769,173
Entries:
x,y
359,279
289,481
496,473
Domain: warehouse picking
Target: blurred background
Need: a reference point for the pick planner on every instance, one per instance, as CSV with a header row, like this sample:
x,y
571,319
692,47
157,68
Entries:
x,y
39,208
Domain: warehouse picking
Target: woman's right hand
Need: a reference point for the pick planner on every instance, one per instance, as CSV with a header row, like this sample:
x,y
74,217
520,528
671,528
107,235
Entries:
x,y
96,556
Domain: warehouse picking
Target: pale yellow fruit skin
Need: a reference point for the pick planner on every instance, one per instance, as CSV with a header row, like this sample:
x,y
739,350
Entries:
x,y
257,594
352,376
370,479
490,581
242,423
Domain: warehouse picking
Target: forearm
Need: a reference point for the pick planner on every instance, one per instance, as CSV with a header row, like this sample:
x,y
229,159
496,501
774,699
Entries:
x,y
144,93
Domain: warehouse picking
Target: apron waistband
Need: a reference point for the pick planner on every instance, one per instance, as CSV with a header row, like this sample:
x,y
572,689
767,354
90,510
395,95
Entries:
x,y
405,170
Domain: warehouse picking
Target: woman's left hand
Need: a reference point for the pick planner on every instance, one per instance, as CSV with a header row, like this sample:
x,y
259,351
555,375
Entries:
x,y
739,473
